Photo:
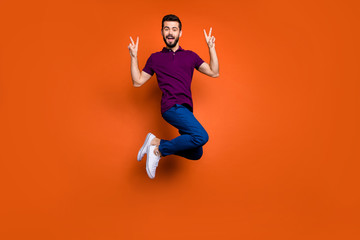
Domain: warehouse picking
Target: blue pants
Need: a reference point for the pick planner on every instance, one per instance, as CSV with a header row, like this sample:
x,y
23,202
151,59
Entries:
x,y
193,135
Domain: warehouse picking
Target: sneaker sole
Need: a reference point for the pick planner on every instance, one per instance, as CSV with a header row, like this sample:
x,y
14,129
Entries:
x,y
143,146
148,172
147,168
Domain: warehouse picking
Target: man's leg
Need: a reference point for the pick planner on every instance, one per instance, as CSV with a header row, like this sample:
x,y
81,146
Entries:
x,y
193,135
192,154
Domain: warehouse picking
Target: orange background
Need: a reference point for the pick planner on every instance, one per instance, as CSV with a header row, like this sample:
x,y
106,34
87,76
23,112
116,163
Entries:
x,y
282,161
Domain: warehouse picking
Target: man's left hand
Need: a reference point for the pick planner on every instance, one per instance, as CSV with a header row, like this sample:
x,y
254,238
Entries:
x,y
210,40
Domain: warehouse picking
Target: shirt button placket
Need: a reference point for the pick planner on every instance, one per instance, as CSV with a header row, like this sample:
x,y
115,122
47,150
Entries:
x,y
173,54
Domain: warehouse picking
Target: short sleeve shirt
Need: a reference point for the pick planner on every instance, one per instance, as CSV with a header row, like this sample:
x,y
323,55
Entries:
x,y
174,72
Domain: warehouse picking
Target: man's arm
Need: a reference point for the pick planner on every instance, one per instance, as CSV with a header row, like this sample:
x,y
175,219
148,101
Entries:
x,y
211,70
138,78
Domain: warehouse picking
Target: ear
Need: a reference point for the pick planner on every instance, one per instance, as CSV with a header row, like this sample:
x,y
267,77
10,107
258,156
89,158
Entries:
x,y
180,33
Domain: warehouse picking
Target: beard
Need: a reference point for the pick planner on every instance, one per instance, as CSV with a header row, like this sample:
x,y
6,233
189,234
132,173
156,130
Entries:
x,y
171,45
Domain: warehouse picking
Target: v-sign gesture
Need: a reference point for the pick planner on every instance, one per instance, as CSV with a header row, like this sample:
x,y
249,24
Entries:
x,y
133,48
210,40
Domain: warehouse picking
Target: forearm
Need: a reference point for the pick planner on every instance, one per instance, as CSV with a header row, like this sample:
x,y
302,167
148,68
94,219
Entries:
x,y
214,63
135,71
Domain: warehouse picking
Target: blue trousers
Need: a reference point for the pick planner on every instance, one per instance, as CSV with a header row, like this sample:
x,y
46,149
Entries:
x,y
192,135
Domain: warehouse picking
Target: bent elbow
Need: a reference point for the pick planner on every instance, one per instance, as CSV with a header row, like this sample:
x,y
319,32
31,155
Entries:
x,y
216,75
137,84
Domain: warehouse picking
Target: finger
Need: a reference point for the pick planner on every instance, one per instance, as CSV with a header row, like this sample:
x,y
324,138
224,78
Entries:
x,y
137,41
205,34
210,32
132,40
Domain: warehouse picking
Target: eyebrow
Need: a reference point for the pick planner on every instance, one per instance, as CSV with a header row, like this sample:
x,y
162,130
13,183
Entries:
x,y
168,27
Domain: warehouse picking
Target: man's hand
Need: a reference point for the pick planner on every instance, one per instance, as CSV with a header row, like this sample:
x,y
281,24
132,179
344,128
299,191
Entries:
x,y
133,48
210,40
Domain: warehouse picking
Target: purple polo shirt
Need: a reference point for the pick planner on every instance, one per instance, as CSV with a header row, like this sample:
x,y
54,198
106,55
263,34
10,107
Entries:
x,y
174,72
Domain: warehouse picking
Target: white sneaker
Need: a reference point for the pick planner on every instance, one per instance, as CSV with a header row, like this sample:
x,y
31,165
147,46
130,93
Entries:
x,y
152,161
145,146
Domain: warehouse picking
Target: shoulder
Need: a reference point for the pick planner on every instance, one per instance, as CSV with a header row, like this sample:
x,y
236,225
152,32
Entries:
x,y
194,56
189,51
152,57
155,55
192,53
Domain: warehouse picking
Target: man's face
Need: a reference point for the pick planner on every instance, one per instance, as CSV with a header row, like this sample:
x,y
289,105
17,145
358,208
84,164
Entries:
x,y
171,33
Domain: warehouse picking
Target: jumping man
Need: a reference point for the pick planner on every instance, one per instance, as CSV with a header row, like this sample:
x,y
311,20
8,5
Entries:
x,y
174,68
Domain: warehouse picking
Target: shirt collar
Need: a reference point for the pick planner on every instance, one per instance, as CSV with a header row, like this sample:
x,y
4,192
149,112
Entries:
x,y
168,50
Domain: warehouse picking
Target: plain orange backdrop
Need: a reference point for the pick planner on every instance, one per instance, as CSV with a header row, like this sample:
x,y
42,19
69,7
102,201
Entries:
x,y
282,161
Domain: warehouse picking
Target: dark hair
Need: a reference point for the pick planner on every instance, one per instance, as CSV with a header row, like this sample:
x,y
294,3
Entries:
x,y
171,17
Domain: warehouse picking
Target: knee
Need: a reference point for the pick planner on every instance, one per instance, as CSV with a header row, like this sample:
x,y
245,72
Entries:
x,y
205,137
201,138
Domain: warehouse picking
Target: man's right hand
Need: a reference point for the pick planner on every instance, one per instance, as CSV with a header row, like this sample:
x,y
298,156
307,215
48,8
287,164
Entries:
x,y
133,48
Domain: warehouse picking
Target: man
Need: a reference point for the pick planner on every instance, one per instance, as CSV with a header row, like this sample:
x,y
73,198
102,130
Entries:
x,y
174,69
